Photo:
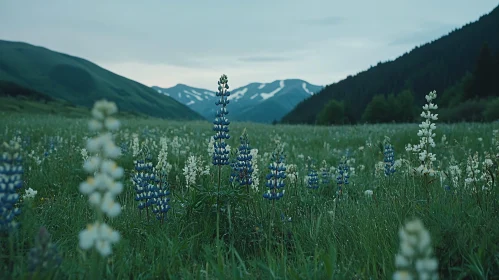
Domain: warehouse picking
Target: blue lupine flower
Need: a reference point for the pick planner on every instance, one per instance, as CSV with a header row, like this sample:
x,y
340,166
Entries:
x,y
313,179
275,179
221,124
11,171
242,168
342,177
389,159
325,176
124,148
161,203
44,256
144,183
26,142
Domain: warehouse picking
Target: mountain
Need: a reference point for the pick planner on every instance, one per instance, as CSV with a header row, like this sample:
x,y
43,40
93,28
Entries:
x,y
438,65
81,82
255,102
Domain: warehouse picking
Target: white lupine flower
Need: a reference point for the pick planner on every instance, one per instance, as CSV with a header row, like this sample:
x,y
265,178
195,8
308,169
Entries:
x,y
29,194
255,176
113,170
415,258
102,187
292,173
192,169
135,145
426,135
112,124
100,236
211,146
95,125
163,166
91,164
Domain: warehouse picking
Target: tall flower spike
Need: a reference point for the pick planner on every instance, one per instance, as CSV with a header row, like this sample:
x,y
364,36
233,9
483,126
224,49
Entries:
x,y
44,256
243,168
221,124
313,178
343,176
415,258
102,188
389,159
275,179
427,136
11,171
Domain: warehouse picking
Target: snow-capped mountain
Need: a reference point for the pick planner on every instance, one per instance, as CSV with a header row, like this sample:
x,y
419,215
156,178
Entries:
x,y
256,102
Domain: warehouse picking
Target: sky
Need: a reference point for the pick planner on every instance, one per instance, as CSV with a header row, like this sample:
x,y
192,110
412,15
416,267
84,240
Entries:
x,y
166,42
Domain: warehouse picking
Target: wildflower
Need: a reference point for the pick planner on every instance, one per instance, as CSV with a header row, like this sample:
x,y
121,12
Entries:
x,y
191,170
163,166
29,194
292,173
325,175
342,176
472,172
144,180
135,145
11,170
275,179
161,202
368,193
221,124
100,236
254,175
427,136
415,258
84,154
389,160
242,168
44,255
102,187
312,178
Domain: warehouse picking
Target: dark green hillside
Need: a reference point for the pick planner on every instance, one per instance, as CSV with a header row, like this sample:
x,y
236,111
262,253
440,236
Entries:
x,y
81,82
439,65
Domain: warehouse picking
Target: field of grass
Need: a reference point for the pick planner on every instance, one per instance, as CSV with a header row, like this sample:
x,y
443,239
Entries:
x,y
307,234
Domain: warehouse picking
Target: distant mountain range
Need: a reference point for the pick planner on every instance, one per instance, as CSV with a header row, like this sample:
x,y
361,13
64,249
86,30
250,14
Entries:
x,y
255,102
37,70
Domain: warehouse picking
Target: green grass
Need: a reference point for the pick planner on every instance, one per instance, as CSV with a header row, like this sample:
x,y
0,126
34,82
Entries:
x,y
355,238
81,82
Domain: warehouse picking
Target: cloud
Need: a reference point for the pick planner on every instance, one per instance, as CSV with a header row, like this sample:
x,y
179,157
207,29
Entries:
x,y
427,32
324,21
258,59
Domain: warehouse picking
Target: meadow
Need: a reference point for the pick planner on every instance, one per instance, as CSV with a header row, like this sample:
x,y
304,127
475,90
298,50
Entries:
x,y
348,190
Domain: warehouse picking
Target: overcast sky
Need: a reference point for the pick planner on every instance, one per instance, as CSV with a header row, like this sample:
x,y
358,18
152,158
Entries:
x,y
165,42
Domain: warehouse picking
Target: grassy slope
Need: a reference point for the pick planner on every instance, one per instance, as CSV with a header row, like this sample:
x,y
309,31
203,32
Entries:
x,y
81,82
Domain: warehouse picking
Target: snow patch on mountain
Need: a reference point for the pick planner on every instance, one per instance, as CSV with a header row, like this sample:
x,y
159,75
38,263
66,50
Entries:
x,y
190,102
261,86
238,94
304,86
266,96
254,95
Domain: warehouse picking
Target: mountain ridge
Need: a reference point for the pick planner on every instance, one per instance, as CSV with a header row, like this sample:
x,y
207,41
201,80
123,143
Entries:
x,y
82,82
246,101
